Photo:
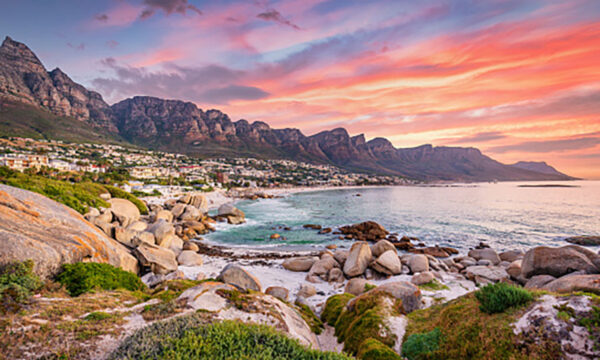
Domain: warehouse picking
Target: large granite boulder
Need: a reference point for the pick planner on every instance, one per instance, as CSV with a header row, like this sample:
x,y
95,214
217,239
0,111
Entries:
x,y
240,278
382,246
51,234
158,259
358,259
485,254
303,263
571,283
418,263
161,230
402,290
196,200
189,258
543,260
232,214
124,210
482,274
388,263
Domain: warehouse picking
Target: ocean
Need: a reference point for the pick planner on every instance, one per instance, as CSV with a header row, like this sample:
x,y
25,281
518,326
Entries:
x,y
504,215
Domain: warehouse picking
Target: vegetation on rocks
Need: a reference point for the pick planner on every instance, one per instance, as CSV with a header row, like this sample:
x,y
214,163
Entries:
x,y
433,285
365,319
315,324
191,337
418,345
80,278
496,298
76,195
334,306
469,333
372,349
17,283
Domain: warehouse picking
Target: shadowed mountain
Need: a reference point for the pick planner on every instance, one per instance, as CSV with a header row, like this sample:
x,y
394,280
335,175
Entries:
x,y
51,105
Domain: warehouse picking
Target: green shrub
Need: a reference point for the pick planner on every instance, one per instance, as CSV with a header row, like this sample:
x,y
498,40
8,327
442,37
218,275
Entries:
x,y
334,306
416,345
190,338
372,349
80,278
98,316
78,196
495,298
17,283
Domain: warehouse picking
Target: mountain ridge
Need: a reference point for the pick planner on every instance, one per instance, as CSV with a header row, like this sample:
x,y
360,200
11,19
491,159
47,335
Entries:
x,y
175,125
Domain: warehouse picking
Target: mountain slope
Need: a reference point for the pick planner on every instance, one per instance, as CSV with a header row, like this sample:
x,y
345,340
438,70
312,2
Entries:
x,y
38,103
537,166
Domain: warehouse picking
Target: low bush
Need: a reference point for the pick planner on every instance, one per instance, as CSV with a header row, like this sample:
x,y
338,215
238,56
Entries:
x,y
419,344
80,278
189,337
334,306
495,298
372,349
17,284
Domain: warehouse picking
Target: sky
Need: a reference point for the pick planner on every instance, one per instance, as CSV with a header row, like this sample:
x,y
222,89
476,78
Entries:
x,y
518,79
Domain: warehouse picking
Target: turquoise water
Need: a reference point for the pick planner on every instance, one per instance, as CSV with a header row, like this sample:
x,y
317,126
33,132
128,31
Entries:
x,y
504,215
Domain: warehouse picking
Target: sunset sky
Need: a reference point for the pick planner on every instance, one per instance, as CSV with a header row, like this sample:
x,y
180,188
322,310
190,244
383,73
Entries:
x,y
518,79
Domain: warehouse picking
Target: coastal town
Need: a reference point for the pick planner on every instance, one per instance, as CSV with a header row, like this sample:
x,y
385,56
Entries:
x,y
151,171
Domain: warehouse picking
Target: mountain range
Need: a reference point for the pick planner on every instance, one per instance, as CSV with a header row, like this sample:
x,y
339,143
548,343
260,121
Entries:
x,y
49,104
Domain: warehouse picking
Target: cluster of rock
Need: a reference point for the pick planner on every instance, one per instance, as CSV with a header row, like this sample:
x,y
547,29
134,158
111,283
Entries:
x,y
161,241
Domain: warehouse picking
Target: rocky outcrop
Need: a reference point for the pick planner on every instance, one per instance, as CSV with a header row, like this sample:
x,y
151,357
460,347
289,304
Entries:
x,y
232,214
51,234
365,231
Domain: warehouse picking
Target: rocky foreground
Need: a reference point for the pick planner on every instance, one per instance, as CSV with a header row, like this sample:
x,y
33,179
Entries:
x,y
384,288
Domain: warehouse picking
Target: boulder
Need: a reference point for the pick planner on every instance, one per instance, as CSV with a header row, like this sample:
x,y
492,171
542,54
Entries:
x,y
514,269
436,251
232,214
322,267
543,260
402,290
489,273
422,278
196,200
340,256
299,263
165,215
188,245
511,255
124,210
125,236
190,214
356,286
189,258
538,281
335,275
161,230
388,263
240,278
306,291
418,263
143,237
177,210
137,226
358,259
51,234
279,292
572,283
485,254
158,259
382,246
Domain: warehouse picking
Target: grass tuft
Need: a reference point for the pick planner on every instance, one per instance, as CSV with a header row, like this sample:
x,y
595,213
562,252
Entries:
x,y
417,345
496,298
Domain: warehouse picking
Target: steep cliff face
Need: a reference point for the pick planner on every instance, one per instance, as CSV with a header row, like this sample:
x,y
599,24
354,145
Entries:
x,y
24,78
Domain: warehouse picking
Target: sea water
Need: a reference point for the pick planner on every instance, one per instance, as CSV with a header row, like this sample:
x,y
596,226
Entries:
x,y
504,215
